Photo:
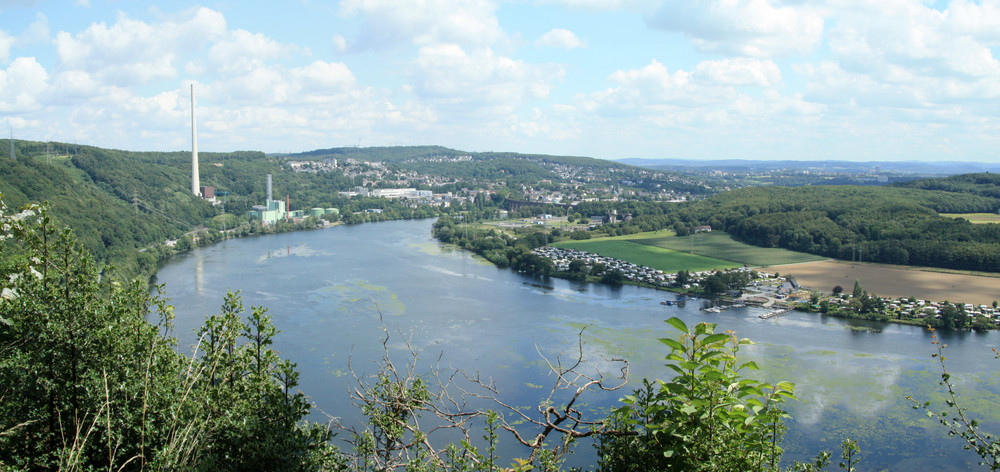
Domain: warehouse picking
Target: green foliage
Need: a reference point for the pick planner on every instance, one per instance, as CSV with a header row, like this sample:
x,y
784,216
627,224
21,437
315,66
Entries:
x,y
709,416
613,277
873,224
955,418
87,383
249,399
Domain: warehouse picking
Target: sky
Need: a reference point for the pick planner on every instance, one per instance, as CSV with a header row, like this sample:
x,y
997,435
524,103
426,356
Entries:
x,y
860,80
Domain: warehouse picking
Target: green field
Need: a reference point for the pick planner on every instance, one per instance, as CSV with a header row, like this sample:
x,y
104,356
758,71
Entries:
x,y
703,251
977,218
660,258
719,245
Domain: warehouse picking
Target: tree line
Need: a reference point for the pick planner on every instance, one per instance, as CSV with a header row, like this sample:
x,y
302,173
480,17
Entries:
x,y
896,225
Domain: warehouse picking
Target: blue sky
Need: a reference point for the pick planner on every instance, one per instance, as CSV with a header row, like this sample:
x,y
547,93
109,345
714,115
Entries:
x,y
759,79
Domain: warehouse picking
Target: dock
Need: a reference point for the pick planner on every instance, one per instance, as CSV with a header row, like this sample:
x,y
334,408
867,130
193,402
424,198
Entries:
x,y
775,313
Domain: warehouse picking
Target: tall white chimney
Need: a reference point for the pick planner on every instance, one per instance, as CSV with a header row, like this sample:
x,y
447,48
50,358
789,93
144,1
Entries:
x,y
195,180
269,187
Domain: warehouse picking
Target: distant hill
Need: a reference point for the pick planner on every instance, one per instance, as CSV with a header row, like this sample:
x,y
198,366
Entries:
x,y
984,184
741,165
403,154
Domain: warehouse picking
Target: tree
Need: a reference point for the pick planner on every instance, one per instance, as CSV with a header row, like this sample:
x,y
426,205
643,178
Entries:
x,y
837,290
613,277
713,285
956,418
578,270
89,384
709,416
81,365
858,291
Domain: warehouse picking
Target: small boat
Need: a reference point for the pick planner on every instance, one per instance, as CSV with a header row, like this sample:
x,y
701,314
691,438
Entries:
x,y
666,302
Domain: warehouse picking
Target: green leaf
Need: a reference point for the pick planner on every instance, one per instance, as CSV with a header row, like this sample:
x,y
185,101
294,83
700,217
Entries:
x,y
688,365
672,344
711,354
677,323
715,338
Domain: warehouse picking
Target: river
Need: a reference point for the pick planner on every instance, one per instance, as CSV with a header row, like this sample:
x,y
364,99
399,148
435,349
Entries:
x,y
325,289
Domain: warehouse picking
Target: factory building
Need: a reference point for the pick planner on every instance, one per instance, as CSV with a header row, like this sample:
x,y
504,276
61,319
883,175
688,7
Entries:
x,y
273,212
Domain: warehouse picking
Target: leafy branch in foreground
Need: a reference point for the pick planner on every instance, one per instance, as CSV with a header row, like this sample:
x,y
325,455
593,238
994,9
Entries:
x,y
709,416
566,420
88,382
956,418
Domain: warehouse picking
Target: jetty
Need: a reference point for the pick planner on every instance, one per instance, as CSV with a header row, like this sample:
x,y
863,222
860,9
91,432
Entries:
x,y
775,313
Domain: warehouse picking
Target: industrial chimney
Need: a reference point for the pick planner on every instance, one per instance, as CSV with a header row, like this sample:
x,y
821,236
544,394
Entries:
x,y
195,180
269,187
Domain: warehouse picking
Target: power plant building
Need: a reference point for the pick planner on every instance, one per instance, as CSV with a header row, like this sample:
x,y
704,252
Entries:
x,y
271,213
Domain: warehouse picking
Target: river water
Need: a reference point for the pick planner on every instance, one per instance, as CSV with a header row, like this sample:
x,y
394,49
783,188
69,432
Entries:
x,y
326,288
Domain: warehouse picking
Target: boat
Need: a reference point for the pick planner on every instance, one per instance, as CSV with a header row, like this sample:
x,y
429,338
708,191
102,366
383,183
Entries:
x,y
666,302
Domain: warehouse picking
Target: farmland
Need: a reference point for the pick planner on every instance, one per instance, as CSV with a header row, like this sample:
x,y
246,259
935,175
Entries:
x,y
892,281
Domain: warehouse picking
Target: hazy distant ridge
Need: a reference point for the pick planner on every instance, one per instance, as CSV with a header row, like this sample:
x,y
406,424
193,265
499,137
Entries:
x,y
915,167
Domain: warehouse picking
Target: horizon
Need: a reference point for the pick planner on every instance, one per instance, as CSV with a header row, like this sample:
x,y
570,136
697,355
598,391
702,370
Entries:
x,y
620,79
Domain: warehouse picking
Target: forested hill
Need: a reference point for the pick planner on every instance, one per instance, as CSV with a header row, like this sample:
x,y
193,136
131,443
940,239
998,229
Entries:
x,y
118,202
895,225
101,215
985,184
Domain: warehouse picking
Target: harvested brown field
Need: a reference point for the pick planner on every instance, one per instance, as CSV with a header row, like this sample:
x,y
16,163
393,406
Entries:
x,y
895,281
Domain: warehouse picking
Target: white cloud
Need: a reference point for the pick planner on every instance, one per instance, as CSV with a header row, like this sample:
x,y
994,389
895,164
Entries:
x,y
756,28
881,37
448,74
339,43
74,85
323,79
135,52
6,42
244,51
600,5
37,31
655,99
560,38
980,20
389,22
21,85
652,85
740,71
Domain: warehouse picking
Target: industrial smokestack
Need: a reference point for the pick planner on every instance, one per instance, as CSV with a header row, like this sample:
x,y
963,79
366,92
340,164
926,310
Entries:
x,y
195,180
269,187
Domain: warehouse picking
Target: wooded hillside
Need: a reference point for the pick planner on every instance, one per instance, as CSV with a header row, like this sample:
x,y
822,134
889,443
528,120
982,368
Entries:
x,y
897,225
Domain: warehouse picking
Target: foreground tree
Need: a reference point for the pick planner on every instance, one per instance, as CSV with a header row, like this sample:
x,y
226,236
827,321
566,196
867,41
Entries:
x,y
87,383
956,418
707,417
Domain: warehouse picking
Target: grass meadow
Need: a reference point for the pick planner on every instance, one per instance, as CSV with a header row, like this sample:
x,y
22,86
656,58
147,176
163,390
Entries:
x,y
660,258
703,251
720,246
977,218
